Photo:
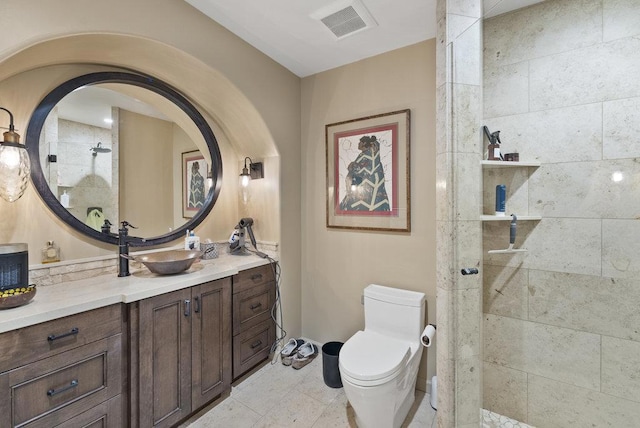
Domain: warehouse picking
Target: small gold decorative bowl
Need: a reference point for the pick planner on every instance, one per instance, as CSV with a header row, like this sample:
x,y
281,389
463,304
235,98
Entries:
x,y
14,297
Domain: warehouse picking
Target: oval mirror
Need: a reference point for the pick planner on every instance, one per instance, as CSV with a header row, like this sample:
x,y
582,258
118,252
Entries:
x,y
119,146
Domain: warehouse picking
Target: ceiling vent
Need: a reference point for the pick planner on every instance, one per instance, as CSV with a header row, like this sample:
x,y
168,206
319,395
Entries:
x,y
345,18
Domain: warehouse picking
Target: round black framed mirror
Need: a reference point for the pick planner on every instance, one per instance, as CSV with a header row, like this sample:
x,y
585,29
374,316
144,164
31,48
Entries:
x,y
52,177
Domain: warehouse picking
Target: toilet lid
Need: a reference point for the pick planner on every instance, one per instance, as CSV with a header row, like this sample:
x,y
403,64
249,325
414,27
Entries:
x,y
370,356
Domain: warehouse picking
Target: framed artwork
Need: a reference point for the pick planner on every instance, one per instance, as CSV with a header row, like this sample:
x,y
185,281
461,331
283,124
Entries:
x,y
368,186
194,182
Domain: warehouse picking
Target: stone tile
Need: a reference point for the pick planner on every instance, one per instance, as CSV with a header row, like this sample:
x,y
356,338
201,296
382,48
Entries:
x,y
584,302
557,353
620,18
445,275
443,53
561,245
568,134
338,413
466,117
506,291
495,420
621,368
468,248
506,90
620,245
421,414
444,179
468,402
228,413
467,49
446,391
446,336
296,407
516,181
602,72
586,189
467,312
544,29
270,389
443,132
557,404
621,128
505,391
467,177
465,7
314,386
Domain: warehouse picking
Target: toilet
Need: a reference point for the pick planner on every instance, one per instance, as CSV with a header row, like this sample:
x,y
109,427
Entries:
x,y
379,366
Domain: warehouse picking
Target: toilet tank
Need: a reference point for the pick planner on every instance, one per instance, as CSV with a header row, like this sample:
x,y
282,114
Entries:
x,y
394,312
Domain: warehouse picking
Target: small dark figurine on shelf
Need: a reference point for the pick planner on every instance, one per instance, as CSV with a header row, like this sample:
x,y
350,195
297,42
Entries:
x,y
494,144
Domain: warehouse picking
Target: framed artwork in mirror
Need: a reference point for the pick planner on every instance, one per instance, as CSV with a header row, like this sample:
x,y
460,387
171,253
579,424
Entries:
x,y
194,183
368,173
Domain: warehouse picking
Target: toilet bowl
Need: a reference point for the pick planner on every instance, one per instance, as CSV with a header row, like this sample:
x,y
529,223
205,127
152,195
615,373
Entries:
x,y
379,366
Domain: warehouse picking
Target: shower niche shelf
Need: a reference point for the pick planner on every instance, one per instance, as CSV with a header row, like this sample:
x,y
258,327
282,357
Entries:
x,y
485,217
487,164
507,164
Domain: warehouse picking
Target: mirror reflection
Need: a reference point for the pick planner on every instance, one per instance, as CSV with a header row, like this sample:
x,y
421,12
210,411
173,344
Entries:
x,y
117,151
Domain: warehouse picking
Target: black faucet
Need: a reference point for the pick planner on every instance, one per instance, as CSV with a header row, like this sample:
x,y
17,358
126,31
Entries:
x,y
123,249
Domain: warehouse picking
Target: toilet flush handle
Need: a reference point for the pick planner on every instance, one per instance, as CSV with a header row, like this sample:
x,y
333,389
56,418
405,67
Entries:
x,y
469,271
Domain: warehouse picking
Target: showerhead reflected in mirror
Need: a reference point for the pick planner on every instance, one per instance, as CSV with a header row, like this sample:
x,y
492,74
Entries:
x,y
113,142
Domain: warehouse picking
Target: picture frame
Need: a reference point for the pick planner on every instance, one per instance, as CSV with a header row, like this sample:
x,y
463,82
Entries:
x,y
368,173
194,182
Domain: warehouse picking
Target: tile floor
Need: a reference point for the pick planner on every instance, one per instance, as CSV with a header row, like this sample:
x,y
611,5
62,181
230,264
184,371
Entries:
x,y
275,396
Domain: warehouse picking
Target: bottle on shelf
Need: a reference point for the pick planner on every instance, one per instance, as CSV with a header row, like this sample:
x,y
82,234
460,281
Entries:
x,y
50,253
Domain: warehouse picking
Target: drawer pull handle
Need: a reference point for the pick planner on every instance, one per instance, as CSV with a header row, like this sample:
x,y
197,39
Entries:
x,y
255,306
256,277
254,345
197,304
53,392
72,332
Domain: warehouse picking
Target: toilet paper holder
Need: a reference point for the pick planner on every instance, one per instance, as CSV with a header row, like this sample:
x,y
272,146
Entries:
x,y
427,335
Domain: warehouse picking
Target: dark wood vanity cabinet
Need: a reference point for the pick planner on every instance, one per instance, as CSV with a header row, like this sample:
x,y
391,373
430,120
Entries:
x,y
253,327
180,353
66,372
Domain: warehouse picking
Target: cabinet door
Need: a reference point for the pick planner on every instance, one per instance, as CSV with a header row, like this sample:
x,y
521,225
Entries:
x,y
211,341
165,359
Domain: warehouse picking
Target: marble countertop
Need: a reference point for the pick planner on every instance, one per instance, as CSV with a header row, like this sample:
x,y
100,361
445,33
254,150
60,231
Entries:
x,y
57,301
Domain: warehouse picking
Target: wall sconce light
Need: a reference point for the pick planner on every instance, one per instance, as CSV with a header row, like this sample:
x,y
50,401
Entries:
x,y
251,172
14,164
210,179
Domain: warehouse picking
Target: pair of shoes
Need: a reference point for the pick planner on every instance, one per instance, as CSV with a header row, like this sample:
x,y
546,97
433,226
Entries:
x,y
306,353
289,350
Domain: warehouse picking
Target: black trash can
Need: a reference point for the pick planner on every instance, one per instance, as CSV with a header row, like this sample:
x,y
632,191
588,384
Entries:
x,y
330,370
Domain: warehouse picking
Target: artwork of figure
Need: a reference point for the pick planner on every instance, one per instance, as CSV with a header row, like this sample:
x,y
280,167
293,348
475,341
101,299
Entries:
x,y
365,182
196,187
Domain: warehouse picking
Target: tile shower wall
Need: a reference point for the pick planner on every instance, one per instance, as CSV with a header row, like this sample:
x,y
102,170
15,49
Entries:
x,y
561,322
458,234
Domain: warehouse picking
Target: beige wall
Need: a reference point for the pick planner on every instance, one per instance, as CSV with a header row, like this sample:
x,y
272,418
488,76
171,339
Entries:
x,y
221,74
561,338
338,264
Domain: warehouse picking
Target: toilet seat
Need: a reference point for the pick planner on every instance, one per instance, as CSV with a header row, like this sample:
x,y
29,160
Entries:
x,y
370,358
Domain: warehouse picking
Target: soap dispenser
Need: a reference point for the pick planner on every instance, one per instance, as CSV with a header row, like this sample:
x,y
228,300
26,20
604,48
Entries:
x,y
50,253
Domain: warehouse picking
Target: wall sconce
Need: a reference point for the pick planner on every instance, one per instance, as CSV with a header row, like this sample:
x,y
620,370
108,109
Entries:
x,y
14,164
251,171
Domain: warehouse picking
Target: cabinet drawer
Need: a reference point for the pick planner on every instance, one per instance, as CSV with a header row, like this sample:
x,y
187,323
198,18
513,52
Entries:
x,y
25,345
104,415
252,277
252,346
252,306
50,391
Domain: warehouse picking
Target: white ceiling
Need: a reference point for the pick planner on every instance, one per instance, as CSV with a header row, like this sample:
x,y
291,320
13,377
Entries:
x,y
286,31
